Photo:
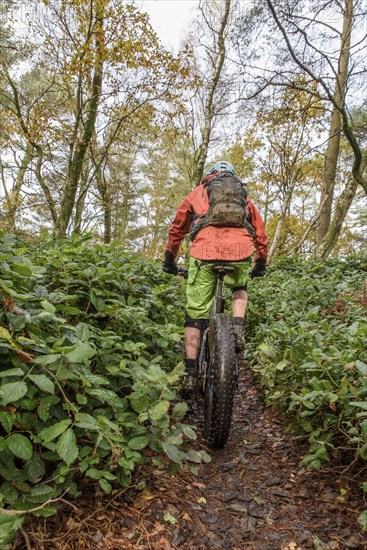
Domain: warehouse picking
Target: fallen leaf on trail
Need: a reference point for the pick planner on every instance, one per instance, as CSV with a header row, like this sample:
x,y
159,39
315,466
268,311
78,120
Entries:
x,y
147,495
169,518
237,508
72,524
258,499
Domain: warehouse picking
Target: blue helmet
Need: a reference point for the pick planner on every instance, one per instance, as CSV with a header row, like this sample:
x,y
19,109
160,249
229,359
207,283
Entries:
x,y
222,166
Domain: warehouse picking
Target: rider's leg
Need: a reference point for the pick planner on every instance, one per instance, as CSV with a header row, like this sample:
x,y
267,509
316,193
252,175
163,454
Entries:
x,y
239,303
200,291
192,345
192,342
239,306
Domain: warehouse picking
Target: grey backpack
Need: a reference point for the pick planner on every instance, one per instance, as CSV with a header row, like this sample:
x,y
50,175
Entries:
x,y
227,205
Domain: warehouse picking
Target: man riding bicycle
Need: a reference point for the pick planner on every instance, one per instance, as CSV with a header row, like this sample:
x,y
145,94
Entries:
x,y
217,237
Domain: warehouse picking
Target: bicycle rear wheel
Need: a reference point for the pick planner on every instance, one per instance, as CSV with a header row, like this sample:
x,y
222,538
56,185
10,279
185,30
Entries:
x,y
221,382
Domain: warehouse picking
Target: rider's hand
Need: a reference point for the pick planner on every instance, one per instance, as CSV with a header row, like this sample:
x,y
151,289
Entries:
x,y
259,268
169,265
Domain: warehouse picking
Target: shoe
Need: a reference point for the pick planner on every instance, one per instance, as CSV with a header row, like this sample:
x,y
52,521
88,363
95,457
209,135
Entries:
x,y
239,343
238,332
189,384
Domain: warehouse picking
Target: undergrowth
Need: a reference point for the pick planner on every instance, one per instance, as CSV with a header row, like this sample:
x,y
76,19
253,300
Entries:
x,y
307,327
90,368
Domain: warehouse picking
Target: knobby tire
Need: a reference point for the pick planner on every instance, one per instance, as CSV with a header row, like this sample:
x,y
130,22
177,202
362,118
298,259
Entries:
x,y
221,382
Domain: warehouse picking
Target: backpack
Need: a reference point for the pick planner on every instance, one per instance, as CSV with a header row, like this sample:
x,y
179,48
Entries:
x,y
227,205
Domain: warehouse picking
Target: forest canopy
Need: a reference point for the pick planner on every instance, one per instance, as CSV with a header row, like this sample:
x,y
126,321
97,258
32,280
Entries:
x,y
104,130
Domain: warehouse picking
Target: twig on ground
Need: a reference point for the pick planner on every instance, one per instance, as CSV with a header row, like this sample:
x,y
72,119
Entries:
x,y
26,539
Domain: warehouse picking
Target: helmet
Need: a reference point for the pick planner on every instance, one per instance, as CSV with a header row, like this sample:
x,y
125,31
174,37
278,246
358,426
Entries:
x,y
222,166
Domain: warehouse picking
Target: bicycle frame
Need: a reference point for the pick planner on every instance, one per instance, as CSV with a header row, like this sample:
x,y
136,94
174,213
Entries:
x,y
217,307
219,300
217,368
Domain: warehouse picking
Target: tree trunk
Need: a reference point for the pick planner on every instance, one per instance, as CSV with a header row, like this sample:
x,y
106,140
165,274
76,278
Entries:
x,y
107,217
48,195
311,226
12,201
341,210
106,203
332,152
125,208
84,186
280,224
76,165
202,151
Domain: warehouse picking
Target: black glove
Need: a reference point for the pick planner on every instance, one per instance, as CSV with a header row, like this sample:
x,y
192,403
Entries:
x,y
169,265
259,268
184,273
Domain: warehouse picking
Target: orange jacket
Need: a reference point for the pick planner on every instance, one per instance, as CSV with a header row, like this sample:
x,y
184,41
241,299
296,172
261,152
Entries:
x,y
216,243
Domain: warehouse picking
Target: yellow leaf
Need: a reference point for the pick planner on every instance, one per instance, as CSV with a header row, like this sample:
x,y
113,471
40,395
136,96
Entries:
x,y
201,500
25,340
147,495
5,334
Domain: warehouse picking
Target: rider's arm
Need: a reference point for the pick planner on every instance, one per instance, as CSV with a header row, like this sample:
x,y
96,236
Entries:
x,y
180,226
261,238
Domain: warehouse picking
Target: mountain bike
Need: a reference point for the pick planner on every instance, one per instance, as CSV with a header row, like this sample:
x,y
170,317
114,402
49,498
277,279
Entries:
x,y
217,369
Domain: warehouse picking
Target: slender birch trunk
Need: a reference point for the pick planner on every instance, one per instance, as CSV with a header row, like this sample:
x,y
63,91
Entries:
x,y
84,186
125,208
12,202
48,195
280,224
341,210
105,195
218,61
332,152
79,153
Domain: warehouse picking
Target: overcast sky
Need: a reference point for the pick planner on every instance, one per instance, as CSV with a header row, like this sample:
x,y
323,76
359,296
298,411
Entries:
x,y
170,18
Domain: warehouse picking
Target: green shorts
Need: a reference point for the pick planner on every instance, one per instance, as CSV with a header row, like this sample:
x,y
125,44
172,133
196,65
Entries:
x,y
200,289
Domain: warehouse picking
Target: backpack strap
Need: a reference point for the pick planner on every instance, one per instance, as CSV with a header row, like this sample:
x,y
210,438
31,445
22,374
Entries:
x,y
198,225
248,222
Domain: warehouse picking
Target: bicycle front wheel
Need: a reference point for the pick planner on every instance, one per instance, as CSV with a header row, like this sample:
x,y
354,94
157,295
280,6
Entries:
x,y
221,382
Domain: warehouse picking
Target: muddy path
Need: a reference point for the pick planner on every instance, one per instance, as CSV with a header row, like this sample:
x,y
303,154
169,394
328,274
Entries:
x,y
253,495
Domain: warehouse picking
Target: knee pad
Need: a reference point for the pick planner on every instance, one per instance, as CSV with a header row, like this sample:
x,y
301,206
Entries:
x,y
194,323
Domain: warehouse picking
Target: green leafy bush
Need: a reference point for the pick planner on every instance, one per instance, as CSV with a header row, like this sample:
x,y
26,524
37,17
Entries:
x,y
309,332
90,367
307,327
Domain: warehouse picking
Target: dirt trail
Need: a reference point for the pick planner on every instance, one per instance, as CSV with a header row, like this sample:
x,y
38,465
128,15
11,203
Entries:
x,y
253,495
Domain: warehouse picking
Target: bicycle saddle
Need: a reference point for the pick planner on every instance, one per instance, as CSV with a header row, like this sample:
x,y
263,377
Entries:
x,y
223,268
